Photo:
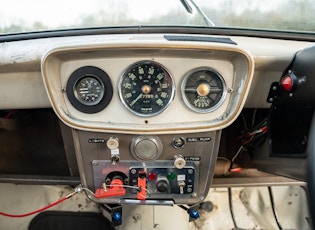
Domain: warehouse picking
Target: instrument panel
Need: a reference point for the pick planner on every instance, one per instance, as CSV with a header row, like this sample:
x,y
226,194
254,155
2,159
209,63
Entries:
x,y
147,87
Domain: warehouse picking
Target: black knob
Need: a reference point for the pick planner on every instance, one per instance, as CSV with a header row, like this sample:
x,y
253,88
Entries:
x,y
162,185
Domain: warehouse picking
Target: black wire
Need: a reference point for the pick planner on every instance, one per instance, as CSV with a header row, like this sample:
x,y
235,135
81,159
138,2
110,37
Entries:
x,y
231,207
273,208
259,125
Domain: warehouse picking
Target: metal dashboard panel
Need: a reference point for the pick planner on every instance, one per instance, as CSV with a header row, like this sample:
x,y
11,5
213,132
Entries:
x,y
234,64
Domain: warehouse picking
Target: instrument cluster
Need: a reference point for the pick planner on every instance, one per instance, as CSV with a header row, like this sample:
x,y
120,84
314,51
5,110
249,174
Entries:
x,y
146,89
151,87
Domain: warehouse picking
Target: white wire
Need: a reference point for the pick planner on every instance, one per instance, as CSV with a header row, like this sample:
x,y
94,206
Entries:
x,y
88,190
129,186
237,153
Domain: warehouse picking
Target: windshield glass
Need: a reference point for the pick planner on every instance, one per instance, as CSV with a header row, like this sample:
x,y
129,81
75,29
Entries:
x,y
18,16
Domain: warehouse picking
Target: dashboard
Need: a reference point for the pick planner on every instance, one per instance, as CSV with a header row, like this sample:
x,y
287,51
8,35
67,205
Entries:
x,y
146,111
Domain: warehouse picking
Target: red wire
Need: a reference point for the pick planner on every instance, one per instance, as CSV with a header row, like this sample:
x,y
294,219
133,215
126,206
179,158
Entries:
x,y
37,211
10,114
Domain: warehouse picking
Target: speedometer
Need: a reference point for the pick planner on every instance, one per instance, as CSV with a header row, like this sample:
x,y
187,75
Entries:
x,y
146,88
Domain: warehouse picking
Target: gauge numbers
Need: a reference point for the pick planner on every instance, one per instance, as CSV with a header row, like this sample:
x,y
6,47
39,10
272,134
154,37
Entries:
x,y
203,90
89,90
146,88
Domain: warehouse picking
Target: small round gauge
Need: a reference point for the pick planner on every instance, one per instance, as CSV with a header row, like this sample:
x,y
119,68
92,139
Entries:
x,y
146,88
203,90
89,89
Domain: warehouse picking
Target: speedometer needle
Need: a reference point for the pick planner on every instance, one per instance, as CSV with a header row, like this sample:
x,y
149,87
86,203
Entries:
x,y
135,100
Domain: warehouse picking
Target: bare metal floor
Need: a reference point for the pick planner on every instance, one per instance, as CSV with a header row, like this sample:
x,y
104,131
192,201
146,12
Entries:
x,y
241,207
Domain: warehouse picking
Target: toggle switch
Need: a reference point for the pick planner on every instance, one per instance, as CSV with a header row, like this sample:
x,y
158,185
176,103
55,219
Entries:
x,y
113,144
181,185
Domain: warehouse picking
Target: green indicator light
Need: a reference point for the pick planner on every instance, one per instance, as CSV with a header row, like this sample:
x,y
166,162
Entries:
x,y
171,176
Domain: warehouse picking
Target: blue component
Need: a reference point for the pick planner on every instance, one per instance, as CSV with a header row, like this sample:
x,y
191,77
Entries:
x,y
117,217
193,213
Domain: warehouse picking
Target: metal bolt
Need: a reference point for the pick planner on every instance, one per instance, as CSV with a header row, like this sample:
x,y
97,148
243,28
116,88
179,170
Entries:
x,y
190,171
271,99
133,171
107,181
291,95
274,88
94,162
156,226
194,195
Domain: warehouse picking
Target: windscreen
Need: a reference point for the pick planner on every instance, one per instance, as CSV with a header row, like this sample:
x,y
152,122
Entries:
x,y
18,16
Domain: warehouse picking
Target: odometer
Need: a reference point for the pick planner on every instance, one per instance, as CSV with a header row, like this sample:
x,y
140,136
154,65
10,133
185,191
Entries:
x,y
146,88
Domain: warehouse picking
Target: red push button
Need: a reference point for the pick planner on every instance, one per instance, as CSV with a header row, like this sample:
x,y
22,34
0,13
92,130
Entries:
x,y
287,83
152,176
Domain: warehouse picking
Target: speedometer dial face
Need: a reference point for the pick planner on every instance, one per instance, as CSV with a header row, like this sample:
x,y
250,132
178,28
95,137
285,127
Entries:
x,y
146,88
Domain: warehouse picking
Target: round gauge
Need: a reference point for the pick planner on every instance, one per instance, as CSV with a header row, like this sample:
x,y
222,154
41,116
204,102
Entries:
x,y
146,88
203,90
89,89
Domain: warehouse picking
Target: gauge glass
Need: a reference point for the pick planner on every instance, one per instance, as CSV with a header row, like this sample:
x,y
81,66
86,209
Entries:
x,y
89,90
146,88
203,90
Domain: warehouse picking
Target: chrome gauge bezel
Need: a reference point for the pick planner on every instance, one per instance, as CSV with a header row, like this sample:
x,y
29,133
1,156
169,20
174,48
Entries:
x,y
122,94
217,104
89,72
